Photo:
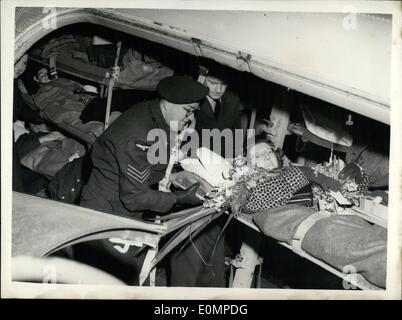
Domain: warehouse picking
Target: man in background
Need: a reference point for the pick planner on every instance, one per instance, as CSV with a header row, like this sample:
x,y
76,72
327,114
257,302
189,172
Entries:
x,y
220,110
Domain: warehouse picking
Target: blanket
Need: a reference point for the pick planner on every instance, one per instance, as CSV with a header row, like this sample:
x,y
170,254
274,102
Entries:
x,y
343,241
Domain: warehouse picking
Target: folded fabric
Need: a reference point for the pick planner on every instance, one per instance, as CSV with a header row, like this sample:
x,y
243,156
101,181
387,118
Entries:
x,y
27,142
66,44
141,72
306,135
329,125
19,129
49,157
93,127
58,99
193,165
23,107
350,243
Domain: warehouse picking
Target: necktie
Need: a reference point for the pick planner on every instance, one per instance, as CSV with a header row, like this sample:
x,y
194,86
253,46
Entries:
x,y
217,108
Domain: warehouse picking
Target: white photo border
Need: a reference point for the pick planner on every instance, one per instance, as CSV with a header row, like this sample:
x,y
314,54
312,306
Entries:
x,y
11,289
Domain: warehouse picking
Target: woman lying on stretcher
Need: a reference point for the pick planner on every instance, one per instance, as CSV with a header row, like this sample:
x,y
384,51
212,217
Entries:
x,y
253,184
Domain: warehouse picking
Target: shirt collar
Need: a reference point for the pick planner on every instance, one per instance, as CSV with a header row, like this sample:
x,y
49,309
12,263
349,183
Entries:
x,y
212,102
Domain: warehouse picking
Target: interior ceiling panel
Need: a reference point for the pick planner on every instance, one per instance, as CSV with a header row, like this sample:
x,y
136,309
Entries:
x,y
310,52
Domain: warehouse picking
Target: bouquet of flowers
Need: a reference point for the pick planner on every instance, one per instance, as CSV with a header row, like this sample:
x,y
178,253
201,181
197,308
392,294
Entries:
x,y
229,198
332,168
353,178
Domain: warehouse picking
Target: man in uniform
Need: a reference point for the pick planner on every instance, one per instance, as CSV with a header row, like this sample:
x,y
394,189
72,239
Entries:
x,y
219,110
122,177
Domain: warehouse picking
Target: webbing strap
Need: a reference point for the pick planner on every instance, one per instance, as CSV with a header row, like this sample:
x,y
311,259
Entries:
x,y
52,65
303,228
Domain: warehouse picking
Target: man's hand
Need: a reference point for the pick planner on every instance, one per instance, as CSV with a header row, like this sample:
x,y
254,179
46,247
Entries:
x,y
55,135
325,182
329,184
188,196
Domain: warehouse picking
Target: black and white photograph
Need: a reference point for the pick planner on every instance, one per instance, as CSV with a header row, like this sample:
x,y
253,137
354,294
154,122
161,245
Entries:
x,y
201,149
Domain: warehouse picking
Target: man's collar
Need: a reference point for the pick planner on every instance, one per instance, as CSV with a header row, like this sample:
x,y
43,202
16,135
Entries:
x,y
212,101
157,115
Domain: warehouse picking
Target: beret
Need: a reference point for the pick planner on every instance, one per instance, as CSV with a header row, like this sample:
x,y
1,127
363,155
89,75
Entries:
x,y
181,90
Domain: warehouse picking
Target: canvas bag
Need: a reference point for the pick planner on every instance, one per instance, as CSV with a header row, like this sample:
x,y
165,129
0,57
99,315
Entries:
x,y
139,74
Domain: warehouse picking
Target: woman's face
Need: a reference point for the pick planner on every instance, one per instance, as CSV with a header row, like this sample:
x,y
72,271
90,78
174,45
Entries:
x,y
262,156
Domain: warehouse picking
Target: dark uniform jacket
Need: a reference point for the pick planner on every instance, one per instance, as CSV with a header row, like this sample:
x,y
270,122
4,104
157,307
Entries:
x,y
122,176
188,270
228,118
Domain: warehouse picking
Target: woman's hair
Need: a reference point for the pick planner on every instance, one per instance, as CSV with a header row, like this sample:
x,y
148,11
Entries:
x,y
262,138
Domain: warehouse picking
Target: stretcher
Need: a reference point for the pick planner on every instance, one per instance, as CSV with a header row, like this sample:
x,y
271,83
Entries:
x,y
106,78
84,136
249,251
87,71
250,259
61,103
76,68
368,256
362,248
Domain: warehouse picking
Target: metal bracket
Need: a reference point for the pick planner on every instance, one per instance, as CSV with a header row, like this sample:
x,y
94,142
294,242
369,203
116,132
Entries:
x,y
240,261
244,60
197,46
125,244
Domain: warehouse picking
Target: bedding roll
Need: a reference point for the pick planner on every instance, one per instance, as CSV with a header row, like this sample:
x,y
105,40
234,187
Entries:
x,y
350,242
343,241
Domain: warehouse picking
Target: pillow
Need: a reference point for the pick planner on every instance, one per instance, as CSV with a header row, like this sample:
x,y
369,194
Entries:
x,y
218,167
209,165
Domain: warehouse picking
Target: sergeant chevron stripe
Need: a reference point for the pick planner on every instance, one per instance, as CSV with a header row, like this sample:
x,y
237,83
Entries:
x,y
138,175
